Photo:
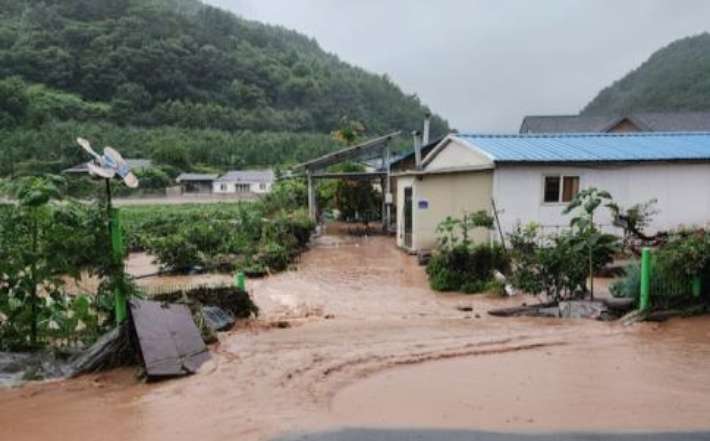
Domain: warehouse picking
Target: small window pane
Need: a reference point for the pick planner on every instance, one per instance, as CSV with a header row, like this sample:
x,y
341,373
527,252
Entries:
x,y
552,189
570,188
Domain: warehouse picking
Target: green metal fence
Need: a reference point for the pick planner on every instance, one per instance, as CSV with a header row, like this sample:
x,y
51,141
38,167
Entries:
x,y
661,288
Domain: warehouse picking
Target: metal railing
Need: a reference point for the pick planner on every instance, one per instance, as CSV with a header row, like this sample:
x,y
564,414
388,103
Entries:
x,y
661,288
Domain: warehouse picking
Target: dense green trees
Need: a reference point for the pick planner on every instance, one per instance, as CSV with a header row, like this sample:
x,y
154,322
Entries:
x,y
674,78
13,102
143,65
51,147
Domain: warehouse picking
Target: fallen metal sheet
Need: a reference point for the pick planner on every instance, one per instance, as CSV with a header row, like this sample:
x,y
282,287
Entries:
x,y
170,342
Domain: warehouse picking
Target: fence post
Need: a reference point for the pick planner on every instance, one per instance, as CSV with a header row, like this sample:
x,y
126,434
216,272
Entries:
x,y
645,295
117,254
241,282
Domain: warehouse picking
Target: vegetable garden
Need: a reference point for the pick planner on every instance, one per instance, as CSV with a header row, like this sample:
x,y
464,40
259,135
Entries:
x,y
47,239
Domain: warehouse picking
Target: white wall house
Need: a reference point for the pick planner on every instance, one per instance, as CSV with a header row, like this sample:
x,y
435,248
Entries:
x,y
531,178
256,182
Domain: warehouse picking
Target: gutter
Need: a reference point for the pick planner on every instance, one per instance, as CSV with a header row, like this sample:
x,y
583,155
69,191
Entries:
x,y
444,171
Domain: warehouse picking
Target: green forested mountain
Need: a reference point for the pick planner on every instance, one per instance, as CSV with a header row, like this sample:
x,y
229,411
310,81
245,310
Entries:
x,y
676,77
150,75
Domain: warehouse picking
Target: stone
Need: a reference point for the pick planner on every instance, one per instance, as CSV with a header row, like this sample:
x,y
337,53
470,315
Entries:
x,y
551,312
585,309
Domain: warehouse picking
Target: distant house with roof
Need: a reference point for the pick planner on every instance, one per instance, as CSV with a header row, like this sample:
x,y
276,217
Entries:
x,y
135,164
635,122
244,182
531,178
196,183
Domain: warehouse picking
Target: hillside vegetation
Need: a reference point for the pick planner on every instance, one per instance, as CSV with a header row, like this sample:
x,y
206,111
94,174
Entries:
x,y
675,78
157,75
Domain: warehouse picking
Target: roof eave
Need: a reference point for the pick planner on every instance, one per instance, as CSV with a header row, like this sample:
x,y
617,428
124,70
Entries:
x,y
604,162
444,171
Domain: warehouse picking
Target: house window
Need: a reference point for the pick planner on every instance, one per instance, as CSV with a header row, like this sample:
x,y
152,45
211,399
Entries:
x,y
262,187
223,187
559,189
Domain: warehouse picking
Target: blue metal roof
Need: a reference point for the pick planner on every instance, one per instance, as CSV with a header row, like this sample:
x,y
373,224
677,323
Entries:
x,y
593,147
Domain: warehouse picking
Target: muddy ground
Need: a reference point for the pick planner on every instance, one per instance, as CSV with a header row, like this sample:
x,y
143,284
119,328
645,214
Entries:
x,y
369,345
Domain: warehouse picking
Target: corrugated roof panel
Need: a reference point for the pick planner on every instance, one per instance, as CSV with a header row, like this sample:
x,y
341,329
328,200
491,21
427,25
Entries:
x,y
593,147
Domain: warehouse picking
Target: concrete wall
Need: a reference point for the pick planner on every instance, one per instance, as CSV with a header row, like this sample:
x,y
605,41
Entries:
x,y
682,191
446,194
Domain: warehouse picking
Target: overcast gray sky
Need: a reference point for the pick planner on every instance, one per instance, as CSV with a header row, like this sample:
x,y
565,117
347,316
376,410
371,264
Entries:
x,y
484,64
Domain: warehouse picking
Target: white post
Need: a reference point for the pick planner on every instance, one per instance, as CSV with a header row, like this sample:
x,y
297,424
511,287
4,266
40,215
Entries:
x,y
312,209
417,150
387,189
427,129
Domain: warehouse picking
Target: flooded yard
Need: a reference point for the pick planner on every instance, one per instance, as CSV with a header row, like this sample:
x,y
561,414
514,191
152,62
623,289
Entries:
x,y
652,381
368,344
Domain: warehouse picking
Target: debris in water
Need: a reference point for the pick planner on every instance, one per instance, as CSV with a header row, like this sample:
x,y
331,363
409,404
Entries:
x,y
217,319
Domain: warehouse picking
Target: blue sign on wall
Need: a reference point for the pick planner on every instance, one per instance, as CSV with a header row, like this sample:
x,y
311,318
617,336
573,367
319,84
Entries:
x,y
423,204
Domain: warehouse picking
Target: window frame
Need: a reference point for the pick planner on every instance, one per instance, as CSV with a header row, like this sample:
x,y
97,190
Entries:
x,y
560,192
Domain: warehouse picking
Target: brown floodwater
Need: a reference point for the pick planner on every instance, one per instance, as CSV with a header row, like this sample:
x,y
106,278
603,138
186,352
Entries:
x,y
653,380
367,341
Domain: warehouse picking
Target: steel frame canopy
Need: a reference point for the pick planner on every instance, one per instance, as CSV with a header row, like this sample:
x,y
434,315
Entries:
x,y
378,148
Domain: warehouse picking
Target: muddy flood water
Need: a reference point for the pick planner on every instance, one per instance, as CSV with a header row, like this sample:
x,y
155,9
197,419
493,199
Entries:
x,y
369,345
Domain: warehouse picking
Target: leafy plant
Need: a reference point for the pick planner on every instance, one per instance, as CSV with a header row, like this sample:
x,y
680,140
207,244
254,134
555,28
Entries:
x,y
628,286
453,231
43,240
466,269
458,265
587,238
686,252
548,265
634,220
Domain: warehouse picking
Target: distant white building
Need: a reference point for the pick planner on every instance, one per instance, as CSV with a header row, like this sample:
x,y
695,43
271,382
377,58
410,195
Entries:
x,y
244,181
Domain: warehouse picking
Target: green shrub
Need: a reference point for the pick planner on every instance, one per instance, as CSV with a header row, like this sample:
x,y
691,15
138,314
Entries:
x,y
274,256
174,251
628,286
496,287
466,269
686,252
476,287
446,269
553,266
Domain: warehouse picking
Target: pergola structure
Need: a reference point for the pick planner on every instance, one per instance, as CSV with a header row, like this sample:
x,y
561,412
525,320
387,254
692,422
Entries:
x,y
375,154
